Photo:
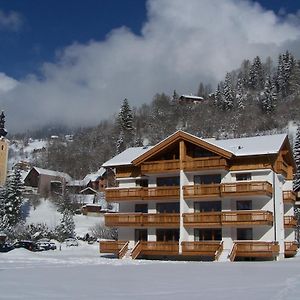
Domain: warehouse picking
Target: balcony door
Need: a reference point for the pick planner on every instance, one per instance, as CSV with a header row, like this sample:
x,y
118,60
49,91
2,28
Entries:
x,y
141,208
140,235
244,205
244,234
207,179
207,234
207,206
163,208
167,235
168,181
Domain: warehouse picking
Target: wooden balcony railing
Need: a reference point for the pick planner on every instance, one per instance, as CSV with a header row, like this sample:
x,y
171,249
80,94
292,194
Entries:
x,y
289,197
246,217
246,188
164,220
290,222
202,248
256,249
227,189
158,248
160,166
203,219
201,191
290,249
205,163
116,247
151,193
230,218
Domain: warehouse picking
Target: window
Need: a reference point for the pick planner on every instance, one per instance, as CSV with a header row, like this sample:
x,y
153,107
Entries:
x,y
168,181
207,179
140,235
204,206
244,205
142,208
207,234
244,234
141,182
166,235
172,207
243,176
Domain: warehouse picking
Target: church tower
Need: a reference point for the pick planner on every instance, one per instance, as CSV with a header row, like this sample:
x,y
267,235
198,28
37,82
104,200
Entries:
x,y
3,150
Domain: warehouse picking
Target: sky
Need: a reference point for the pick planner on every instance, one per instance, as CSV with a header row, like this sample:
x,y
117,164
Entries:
x,y
73,62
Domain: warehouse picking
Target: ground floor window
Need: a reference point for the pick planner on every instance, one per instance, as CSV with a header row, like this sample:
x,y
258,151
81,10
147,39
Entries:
x,y
167,235
140,235
210,234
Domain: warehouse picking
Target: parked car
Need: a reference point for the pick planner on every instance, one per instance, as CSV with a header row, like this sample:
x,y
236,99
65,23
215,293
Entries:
x,y
52,246
43,246
71,242
6,247
29,245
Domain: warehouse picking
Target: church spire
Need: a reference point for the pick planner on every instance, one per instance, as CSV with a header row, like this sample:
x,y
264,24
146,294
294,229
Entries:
x,y
3,131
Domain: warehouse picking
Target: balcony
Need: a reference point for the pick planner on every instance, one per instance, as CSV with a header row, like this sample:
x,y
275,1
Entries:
x,y
290,249
205,163
290,222
202,248
165,220
155,248
160,166
202,191
203,219
152,193
227,189
289,197
119,248
246,217
254,249
230,218
252,188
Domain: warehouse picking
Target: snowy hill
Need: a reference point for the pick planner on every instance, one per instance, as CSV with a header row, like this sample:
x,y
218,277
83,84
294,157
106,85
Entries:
x,y
46,212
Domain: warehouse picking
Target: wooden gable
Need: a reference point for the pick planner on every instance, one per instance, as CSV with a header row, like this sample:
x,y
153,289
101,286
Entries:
x,y
171,146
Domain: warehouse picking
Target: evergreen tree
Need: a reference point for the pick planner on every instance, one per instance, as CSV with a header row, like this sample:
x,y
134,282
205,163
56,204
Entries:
x,y
66,229
256,75
13,198
125,125
218,97
240,95
294,79
175,97
296,183
228,93
268,97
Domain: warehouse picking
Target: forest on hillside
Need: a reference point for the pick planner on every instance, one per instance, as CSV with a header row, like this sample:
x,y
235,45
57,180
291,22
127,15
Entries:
x,y
258,98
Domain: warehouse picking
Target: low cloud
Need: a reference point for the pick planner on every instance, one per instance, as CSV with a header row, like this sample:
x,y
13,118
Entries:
x,y
10,21
180,45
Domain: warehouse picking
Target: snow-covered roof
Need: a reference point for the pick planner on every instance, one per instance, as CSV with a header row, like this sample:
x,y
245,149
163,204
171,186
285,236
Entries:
x,y
53,173
94,176
257,145
86,199
126,157
76,183
192,97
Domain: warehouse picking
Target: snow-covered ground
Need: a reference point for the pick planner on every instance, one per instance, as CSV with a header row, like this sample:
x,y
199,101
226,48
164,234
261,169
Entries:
x,y
46,212
82,273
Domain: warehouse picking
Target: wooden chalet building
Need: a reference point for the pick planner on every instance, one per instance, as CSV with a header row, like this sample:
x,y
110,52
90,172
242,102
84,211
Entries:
x,y
191,198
